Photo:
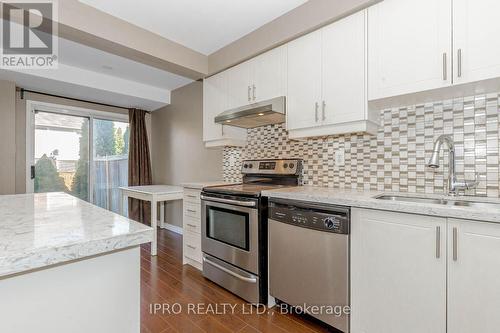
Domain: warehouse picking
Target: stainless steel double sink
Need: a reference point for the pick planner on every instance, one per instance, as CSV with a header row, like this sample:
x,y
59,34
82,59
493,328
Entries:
x,y
441,201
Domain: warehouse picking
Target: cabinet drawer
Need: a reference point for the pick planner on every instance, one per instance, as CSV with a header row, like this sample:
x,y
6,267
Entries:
x,y
192,246
192,224
192,195
192,209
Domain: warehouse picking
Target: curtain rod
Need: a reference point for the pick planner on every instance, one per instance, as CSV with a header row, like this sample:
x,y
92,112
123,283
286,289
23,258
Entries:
x,y
22,91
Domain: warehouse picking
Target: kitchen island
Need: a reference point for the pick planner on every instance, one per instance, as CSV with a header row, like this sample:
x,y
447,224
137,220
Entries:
x,y
68,266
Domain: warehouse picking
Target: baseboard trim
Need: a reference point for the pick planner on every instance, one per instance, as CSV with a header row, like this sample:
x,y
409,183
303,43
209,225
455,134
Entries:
x,y
174,228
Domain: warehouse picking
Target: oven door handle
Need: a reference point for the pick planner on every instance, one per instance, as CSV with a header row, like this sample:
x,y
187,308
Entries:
x,y
229,201
243,278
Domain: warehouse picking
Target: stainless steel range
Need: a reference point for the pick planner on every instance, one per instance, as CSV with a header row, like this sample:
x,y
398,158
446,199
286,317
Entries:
x,y
234,227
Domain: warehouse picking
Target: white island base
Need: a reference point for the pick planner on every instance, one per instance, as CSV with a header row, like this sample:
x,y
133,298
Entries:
x,y
96,294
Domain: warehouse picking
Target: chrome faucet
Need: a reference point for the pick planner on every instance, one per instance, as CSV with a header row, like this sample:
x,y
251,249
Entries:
x,y
454,186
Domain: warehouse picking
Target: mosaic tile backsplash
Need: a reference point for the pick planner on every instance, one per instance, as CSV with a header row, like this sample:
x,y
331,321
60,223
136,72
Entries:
x,y
395,159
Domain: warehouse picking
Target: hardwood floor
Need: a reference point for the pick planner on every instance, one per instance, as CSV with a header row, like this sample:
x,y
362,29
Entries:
x,y
183,289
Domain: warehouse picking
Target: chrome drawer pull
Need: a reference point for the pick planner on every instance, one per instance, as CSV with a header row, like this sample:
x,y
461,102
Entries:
x,y
191,247
242,278
191,211
191,225
455,244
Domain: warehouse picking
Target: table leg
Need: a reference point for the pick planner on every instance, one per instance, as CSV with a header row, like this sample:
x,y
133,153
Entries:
x,y
154,225
162,215
123,204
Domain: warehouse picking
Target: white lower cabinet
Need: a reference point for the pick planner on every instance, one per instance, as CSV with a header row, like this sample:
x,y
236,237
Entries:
x,y
191,239
415,273
398,280
473,277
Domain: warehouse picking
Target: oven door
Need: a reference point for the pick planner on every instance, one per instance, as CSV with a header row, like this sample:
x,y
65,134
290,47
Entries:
x,y
230,230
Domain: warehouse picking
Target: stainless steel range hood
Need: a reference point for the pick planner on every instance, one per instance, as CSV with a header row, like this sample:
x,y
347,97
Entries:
x,y
253,115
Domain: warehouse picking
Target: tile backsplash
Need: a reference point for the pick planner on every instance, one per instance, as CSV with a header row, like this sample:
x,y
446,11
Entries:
x,y
394,159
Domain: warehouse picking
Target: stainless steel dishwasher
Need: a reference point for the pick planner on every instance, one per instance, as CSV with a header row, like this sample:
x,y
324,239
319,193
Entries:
x,y
309,258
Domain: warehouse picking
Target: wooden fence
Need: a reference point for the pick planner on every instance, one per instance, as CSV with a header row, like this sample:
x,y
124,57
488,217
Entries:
x,y
109,174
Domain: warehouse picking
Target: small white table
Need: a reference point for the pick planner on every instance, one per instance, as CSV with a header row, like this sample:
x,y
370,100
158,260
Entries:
x,y
154,194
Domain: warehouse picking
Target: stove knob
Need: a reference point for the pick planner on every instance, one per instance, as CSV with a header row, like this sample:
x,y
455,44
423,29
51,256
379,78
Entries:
x,y
285,165
330,222
292,165
250,165
245,166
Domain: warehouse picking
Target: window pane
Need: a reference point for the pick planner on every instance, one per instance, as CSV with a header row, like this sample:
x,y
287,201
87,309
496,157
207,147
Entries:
x,y
61,154
228,227
110,147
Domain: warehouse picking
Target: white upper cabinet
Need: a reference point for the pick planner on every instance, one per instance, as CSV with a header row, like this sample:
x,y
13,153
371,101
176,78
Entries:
x,y
409,46
343,79
327,81
215,101
258,79
304,81
398,273
476,29
239,86
269,75
473,276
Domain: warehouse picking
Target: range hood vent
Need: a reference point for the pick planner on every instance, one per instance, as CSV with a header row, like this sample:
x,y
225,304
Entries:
x,y
258,114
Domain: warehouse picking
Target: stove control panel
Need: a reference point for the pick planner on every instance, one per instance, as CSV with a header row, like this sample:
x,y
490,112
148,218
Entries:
x,y
274,167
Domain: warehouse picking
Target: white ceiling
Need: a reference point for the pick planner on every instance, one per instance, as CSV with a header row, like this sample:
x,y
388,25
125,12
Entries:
x,y
202,25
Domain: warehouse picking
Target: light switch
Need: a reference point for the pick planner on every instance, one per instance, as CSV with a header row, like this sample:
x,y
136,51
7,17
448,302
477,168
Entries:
x,y
340,157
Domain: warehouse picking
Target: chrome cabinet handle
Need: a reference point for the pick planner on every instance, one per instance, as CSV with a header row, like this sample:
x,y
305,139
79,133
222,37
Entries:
x,y
248,94
253,86
191,225
445,73
459,60
229,201
316,106
191,196
191,211
323,105
191,247
455,244
438,242
243,278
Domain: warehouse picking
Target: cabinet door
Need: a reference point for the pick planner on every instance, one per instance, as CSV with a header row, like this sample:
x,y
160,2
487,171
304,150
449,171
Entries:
x,y
239,85
409,46
476,26
304,81
473,277
398,276
214,102
269,73
343,61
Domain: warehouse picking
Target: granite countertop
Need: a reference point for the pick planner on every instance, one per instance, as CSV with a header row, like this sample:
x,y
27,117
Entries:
x,y
201,185
365,199
39,230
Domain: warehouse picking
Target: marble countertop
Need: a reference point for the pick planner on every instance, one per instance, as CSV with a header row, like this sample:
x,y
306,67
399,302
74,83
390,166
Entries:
x,y
201,185
366,199
39,230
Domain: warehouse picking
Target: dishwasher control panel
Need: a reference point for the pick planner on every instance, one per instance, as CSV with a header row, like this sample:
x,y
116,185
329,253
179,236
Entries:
x,y
320,217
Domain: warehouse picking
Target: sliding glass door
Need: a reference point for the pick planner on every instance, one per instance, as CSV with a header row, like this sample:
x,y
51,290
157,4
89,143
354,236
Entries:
x,y
80,153
61,154
110,162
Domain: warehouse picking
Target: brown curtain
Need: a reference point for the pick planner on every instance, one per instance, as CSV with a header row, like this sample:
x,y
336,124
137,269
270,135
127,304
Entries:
x,y
139,164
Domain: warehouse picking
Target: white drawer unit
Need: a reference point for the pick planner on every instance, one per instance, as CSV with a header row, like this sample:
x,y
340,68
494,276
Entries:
x,y
192,246
192,227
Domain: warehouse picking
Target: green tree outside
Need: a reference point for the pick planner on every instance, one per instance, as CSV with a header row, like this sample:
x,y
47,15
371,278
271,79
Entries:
x,y
119,142
80,183
46,177
104,138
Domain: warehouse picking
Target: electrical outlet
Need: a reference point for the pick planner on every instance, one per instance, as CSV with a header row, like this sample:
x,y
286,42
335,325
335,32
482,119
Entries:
x,y
340,157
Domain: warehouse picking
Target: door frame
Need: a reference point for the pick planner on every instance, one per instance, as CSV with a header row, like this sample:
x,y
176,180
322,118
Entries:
x,y
61,109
